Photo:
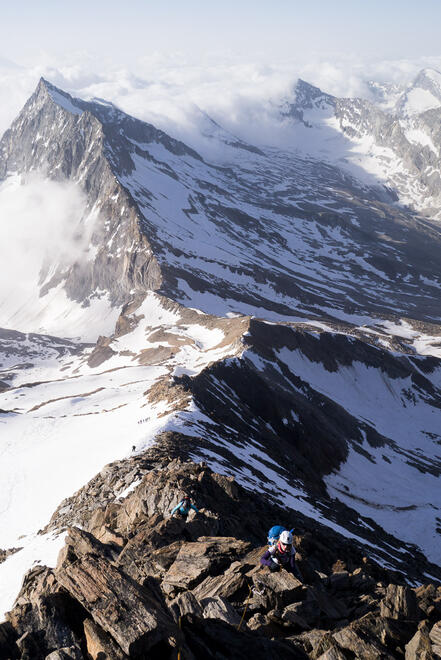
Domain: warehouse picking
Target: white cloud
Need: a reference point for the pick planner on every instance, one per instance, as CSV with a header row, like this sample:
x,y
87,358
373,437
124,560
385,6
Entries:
x,y
163,88
165,85
40,227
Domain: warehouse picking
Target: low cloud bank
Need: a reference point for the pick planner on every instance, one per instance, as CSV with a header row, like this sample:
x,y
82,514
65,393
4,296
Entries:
x,y
41,228
165,88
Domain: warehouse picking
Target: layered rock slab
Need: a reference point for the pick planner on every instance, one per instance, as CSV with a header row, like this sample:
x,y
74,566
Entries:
x,y
128,612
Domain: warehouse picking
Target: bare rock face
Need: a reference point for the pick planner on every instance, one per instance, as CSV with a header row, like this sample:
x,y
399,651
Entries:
x,y
196,560
399,603
82,153
420,647
99,644
435,637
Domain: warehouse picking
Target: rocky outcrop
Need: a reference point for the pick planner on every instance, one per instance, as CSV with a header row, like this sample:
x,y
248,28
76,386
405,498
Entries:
x,y
5,553
45,618
162,587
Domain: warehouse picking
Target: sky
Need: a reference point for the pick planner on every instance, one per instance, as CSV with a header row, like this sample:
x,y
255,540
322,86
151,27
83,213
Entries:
x,y
280,28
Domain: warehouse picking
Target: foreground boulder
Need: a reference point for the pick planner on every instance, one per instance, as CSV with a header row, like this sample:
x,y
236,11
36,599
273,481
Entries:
x,y
361,640
196,560
420,646
275,590
399,603
131,614
8,639
44,616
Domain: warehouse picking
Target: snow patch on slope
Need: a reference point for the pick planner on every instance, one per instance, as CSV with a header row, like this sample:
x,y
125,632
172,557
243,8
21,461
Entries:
x,y
418,136
63,100
392,484
419,100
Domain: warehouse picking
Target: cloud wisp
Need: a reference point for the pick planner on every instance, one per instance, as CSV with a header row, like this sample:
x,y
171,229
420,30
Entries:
x,y
41,230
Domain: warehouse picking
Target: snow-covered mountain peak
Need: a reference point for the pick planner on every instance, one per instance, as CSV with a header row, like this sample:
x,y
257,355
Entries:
x,y
307,95
58,96
307,103
380,141
429,78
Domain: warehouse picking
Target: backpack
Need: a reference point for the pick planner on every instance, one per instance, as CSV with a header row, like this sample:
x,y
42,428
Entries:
x,y
274,533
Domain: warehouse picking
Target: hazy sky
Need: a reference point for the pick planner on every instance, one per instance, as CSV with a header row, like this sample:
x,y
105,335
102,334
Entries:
x,y
122,30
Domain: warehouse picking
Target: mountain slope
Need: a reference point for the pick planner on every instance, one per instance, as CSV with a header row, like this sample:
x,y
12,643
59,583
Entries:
x,y
269,314
273,235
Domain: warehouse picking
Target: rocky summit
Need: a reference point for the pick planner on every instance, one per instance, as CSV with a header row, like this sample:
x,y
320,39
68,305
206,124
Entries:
x,y
135,582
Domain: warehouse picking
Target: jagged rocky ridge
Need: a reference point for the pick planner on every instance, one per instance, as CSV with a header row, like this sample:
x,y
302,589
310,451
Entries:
x,y
276,414
136,583
278,236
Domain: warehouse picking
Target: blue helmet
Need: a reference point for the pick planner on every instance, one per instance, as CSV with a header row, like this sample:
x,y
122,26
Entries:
x,y
274,533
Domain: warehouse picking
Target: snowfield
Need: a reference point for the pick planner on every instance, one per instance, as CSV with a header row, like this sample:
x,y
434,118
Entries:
x,y
65,421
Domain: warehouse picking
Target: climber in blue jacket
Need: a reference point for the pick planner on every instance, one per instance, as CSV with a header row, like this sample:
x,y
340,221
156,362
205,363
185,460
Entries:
x,y
184,507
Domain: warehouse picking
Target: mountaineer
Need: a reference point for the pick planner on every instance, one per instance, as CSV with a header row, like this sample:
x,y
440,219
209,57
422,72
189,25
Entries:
x,y
184,507
282,554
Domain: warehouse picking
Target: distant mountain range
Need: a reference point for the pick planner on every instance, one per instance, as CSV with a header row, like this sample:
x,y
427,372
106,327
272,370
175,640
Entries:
x,y
395,139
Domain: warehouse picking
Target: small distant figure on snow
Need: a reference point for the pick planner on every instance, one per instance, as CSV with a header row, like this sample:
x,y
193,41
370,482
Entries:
x,y
282,555
184,507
